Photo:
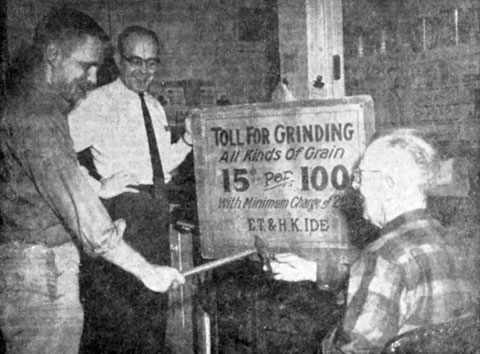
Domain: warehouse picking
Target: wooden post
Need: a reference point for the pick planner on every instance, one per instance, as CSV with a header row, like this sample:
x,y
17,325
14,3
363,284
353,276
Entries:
x,y
180,319
311,46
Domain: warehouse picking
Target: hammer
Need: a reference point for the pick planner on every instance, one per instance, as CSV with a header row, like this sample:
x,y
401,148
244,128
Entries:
x,y
260,248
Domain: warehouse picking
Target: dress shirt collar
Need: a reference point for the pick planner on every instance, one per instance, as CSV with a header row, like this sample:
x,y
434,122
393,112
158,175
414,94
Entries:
x,y
408,217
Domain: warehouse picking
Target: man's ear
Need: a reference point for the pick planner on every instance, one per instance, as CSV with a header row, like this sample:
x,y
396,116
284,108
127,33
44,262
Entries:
x,y
389,181
53,54
389,188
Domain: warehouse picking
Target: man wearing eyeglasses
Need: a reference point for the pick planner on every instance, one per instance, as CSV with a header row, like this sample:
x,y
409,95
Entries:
x,y
126,131
408,277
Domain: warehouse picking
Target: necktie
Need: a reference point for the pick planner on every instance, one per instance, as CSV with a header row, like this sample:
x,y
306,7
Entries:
x,y
152,143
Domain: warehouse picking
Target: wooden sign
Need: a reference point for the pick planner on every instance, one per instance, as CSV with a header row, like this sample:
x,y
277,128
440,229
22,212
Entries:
x,y
276,170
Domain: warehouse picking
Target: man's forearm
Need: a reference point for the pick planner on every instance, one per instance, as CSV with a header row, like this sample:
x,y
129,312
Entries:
x,y
128,259
96,185
154,277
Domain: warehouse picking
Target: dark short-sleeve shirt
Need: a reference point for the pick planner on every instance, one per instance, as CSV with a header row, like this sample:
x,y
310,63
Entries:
x,y
44,197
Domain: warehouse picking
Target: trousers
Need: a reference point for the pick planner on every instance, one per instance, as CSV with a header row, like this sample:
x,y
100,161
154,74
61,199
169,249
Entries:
x,y
40,310
121,315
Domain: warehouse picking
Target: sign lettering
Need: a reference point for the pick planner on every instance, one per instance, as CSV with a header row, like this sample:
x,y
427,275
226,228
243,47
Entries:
x,y
278,173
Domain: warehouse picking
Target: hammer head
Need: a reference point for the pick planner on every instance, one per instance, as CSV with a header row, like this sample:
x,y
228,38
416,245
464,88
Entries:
x,y
263,253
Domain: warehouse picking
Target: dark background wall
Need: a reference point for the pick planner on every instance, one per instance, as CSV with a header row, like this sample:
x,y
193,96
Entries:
x,y
3,45
420,60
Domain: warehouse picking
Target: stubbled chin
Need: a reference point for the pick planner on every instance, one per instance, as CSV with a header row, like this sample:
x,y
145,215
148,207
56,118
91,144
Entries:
x,y
77,97
81,95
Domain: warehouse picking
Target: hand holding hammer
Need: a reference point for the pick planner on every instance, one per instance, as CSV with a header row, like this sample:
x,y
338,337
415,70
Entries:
x,y
260,248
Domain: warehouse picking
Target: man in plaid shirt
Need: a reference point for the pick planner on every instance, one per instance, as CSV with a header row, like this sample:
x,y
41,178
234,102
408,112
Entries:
x,y
409,277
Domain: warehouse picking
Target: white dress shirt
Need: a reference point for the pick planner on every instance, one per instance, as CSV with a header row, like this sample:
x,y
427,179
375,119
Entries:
x,y
110,121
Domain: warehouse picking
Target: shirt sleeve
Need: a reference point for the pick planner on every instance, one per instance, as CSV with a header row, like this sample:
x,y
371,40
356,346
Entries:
x,y
175,154
172,154
372,316
94,184
52,165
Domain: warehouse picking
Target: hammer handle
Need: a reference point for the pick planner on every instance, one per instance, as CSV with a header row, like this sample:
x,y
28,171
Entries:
x,y
218,263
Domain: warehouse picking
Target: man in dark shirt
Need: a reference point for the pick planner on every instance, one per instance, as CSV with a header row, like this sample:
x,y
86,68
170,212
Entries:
x,y
46,205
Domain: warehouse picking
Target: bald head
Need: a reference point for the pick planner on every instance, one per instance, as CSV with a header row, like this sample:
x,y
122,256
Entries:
x,y
404,154
137,57
394,173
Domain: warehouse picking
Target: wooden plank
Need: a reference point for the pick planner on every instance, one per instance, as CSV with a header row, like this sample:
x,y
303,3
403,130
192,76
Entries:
x,y
180,328
310,36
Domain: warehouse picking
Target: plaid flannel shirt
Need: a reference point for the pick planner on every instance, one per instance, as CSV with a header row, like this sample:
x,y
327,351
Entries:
x,y
409,277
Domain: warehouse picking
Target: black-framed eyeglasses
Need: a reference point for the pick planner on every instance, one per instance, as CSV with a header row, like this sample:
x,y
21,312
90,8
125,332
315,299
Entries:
x,y
137,62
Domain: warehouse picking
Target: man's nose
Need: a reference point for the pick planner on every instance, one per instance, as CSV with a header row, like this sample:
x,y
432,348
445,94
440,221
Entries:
x,y
92,75
355,184
355,181
143,67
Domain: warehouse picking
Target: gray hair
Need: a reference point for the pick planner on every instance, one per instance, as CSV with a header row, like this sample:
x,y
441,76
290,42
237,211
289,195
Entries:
x,y
415,146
